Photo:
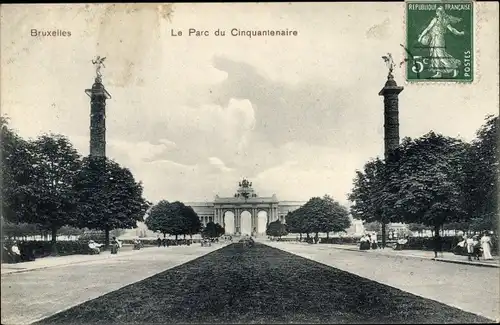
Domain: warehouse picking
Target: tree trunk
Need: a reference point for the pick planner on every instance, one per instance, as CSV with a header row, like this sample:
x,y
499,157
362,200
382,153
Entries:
x,y
106,238
300,236
327,235
383,234
175,238
54,241
437,241
164,235
184,236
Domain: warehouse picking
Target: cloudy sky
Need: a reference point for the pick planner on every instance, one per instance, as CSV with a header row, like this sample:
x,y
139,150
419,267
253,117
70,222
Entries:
x,y
190,116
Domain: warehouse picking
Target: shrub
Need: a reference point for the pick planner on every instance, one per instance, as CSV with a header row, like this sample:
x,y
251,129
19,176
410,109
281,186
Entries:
x,y
339,240
170,242
36,249
417,243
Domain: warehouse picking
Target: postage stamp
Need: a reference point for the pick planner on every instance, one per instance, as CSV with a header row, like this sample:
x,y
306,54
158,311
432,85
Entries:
x,y
439,41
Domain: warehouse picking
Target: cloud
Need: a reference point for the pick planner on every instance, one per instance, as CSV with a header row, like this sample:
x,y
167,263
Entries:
x,y
219,163
190,116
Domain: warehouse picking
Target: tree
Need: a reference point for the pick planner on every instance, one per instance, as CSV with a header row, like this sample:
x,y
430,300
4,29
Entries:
x,y
220,230
373,195
193,223
334,217
17,193
173,218
157,219
418,227
50,194
481,177
108,196
429,180
71,231
276,229
294,222
117,232
18,230
372,226
211,230
322,215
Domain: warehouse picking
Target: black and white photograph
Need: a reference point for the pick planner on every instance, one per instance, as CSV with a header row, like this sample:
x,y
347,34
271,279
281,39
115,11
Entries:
x,y
250,163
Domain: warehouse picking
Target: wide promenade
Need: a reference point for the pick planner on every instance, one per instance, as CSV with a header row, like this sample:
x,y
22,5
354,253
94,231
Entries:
x,y
62,282
277,282
469,287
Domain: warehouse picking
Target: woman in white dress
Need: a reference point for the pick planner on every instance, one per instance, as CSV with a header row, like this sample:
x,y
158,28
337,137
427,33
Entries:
x,y
486,245
433,37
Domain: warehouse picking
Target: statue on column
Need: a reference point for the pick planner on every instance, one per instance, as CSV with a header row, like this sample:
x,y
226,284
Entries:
x,y
98,63
390,64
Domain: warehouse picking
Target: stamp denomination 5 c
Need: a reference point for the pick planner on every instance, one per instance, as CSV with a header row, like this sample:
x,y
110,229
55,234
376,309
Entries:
x,y
439,41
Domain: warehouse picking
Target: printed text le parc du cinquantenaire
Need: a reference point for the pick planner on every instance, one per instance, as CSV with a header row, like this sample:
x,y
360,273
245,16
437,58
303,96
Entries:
x,y
233,32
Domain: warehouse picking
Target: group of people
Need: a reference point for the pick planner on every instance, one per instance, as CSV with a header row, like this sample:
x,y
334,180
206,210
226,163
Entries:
x,y
161,242
476,247
95,247
11,253
368,240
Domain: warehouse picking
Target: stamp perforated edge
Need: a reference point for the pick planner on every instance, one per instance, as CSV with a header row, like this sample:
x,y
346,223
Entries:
x,y
476,27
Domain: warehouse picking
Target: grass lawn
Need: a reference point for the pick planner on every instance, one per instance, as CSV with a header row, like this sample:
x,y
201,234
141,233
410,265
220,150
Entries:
x,y
259,285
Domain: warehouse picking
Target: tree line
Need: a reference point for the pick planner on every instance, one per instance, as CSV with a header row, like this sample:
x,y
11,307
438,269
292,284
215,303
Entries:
x,y
173,218
177,219
434,181
47,183
319,214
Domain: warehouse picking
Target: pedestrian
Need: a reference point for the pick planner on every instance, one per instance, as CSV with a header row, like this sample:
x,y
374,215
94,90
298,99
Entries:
x,y
437,245
469,243
158,241
164,242
16,257
114,246
374,241
486,245
477,247
364,243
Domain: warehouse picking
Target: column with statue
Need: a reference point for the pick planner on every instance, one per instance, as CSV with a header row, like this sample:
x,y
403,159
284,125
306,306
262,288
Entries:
x,y
98,96
390,92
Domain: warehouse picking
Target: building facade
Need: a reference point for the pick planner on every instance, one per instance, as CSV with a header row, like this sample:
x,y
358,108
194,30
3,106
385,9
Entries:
x,y
244,210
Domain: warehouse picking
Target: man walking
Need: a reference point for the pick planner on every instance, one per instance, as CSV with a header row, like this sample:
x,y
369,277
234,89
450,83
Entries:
x,y
437,244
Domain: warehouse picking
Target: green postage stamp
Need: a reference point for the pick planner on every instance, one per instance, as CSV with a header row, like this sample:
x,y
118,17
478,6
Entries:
x,y
439,41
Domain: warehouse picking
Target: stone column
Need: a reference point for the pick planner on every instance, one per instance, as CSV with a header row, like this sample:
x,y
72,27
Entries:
x,y
236,220
98,95
391,117
254,222
391,93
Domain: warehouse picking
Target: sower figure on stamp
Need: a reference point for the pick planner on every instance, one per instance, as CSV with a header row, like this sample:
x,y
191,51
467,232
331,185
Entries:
x,y
433,36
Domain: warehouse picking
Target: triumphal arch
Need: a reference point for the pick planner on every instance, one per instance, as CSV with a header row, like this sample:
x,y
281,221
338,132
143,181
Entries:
x,y
245,210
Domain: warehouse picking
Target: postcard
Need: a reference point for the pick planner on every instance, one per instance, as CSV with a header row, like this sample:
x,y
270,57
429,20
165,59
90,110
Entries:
x,y
266,163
